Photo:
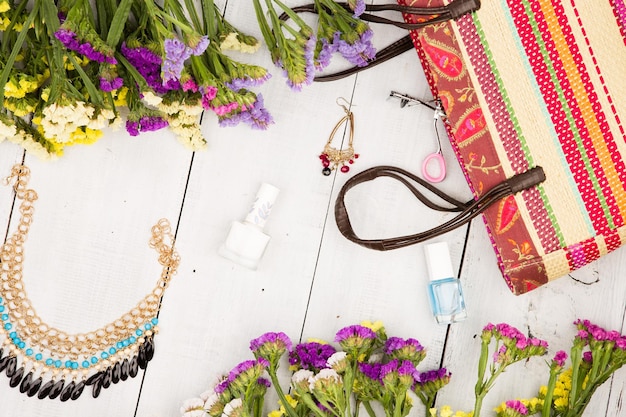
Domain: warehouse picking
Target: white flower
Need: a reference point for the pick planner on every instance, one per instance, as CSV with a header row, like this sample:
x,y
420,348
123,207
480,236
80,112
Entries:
x,y
301,375
338,361
151,99
324,376
232,407
7,131
193,407
210,400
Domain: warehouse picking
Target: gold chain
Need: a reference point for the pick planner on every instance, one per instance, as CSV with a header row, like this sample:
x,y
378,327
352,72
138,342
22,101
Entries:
x,y
51,343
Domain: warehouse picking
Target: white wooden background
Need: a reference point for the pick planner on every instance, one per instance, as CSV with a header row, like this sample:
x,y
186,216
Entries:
x,y
87,258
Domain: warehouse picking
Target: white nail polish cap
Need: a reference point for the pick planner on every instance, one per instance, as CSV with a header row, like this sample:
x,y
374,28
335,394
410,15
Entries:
x,y
262,206
438,261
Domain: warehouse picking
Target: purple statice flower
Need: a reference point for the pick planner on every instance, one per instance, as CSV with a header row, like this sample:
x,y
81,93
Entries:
x,y
200,46
588,356
396,343
392,370
132,127
70,40
434,375
354,332
110,85
371,370
264,381
360,52
270,346
257,115
325,54
148,64
247,82
145,124
67,38
222,386
518,406
358,8
152,123
312,356
620,343
559,358
242,375
176,53
309,53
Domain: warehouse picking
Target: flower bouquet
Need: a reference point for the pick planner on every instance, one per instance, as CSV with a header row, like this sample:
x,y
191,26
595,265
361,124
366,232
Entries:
x,y
70,68
376,374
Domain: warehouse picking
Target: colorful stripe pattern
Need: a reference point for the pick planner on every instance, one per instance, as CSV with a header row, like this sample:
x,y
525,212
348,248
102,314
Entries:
x,y
546,93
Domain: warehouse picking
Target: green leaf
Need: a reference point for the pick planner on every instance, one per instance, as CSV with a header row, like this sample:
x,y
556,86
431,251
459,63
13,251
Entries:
x,y
118,23
94,95
4,76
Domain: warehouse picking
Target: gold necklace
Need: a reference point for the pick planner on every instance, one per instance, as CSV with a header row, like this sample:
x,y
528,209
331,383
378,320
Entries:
x,y
44,361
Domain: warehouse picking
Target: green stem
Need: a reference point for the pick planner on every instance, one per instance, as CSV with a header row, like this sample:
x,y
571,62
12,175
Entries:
x,y
547,402
576,358
369,409
281,395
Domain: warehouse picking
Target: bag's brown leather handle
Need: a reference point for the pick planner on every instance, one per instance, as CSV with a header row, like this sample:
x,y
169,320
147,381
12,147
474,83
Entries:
x,y
451,11
467,211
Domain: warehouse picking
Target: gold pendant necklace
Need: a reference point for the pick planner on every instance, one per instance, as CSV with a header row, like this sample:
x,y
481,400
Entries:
x,y
50,363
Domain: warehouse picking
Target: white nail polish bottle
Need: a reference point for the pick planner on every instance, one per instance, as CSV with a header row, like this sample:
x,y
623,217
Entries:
x,y
444,291
246,241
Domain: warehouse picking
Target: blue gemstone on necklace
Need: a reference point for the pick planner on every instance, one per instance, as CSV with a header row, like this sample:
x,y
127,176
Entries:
x,y
39,356
85,364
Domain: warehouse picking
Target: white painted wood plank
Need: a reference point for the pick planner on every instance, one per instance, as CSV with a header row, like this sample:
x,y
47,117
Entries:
x,y
87,259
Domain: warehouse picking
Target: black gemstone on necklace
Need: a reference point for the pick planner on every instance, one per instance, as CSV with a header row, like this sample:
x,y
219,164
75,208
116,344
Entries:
x,y
326,171
106,379
133,368
11,366
149,349
97,387
116,372
94,378
124,368
17,377
78,390
141,357
67,392
34,387
56,389
45,390
4,362
25,385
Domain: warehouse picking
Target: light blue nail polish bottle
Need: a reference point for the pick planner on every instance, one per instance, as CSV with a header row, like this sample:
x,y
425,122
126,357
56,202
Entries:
x,y
444,290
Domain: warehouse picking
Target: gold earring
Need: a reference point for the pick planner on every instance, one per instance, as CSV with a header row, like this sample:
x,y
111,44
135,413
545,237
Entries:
x,y
331,157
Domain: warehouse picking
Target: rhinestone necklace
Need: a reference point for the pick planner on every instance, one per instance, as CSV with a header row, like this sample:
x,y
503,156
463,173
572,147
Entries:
x,y
50,363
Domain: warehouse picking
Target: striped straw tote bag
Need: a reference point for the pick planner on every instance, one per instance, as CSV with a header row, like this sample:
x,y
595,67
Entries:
x,y
527,83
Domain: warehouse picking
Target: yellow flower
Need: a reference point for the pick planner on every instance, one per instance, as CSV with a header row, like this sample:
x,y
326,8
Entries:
x,y
12,89
314,340
119,96
4,6
84,136
433,412
560,402
446,411
375,327
275,413
4,23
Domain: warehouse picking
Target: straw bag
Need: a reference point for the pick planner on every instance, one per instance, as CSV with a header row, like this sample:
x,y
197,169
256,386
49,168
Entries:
x,y
529,83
